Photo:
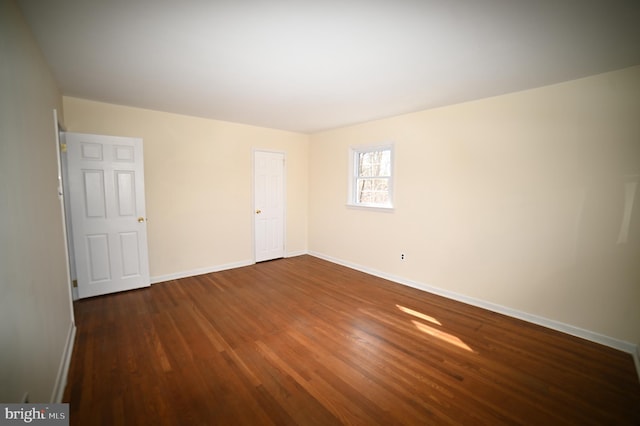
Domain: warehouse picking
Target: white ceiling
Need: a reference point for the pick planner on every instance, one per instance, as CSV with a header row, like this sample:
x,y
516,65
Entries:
x,y
307,66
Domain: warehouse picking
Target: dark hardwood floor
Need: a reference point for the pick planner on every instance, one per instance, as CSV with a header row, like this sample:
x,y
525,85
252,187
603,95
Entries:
x,y
303,341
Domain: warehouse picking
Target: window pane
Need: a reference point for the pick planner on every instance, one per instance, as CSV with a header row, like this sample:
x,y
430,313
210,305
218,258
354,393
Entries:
x,y
374,163
370,180
373,191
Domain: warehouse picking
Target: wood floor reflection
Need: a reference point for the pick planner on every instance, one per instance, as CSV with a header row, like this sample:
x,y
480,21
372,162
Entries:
x,y
304,341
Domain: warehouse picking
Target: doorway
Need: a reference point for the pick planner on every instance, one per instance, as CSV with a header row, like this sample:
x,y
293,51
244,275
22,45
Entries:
x,y
269,205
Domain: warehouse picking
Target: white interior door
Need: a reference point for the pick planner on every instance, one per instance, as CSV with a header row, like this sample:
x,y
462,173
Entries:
x,y
108,217
269,205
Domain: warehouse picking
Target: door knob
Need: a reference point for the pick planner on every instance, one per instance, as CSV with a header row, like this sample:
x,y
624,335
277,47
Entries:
x,y
258,211
140,219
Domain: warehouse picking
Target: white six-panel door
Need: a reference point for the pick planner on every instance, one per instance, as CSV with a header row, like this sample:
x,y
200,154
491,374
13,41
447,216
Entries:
x,y
269,205
108,217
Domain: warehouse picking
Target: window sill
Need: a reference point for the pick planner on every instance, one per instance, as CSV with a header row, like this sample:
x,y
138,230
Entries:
x,y
389,209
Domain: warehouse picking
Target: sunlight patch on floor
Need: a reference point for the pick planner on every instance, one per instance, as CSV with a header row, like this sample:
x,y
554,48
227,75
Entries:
x,y
418,314
431,331
446,337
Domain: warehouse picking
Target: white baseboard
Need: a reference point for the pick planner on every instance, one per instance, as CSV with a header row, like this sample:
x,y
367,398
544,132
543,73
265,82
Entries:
x,y
63,369
636,359
592,336
296,253
210,269
200,271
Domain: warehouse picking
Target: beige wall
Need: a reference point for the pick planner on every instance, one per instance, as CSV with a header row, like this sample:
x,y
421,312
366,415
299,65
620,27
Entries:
x,y
515,200
35,306
198,177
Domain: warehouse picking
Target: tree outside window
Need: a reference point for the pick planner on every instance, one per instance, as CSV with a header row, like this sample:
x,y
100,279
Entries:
x,y
372,177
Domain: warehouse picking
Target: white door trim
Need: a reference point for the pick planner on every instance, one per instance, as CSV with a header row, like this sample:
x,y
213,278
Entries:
x,y
63,207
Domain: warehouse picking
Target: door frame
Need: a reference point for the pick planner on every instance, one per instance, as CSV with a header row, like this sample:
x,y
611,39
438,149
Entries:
x,y
62,191
68,231
253,199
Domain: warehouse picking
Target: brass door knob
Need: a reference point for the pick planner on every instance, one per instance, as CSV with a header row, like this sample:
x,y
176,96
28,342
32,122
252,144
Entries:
x,y
258,211
140,219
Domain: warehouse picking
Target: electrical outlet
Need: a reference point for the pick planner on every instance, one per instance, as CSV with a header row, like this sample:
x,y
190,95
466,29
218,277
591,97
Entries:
x,y
402,256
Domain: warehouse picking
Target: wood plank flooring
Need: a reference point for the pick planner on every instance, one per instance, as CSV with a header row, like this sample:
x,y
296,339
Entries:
x,y
303,341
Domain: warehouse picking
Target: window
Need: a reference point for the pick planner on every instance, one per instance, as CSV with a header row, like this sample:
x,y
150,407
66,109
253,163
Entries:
x,y
371,177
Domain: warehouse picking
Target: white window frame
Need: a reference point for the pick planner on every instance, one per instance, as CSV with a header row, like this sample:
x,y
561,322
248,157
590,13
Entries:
x,y
353,178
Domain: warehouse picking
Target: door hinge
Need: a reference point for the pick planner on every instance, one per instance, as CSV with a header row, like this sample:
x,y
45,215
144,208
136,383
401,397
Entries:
x,y
63,147
74,283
